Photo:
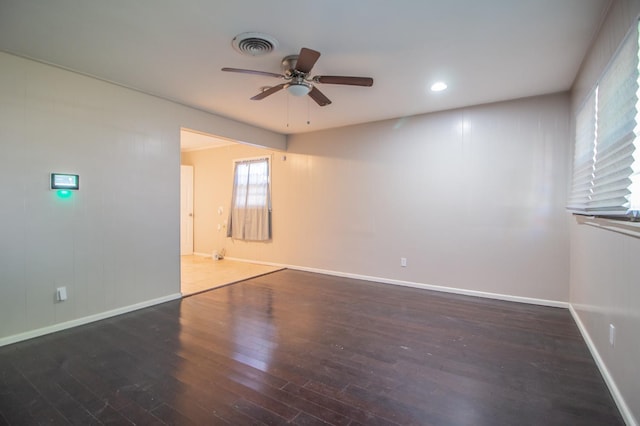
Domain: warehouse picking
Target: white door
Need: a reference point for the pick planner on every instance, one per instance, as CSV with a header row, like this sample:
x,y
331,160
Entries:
x,y
186,210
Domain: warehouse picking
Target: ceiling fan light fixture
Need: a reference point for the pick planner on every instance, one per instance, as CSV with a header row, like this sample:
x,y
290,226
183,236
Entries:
x,y
299,89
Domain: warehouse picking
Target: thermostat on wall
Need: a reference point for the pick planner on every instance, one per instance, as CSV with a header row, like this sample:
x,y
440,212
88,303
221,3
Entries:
x,y
64,181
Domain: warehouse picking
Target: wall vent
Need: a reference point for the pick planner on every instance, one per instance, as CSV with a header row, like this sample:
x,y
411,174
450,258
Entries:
x,y
254,44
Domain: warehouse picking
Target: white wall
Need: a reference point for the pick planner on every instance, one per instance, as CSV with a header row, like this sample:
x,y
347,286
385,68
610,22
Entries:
x,y
115,243
473,198
605,276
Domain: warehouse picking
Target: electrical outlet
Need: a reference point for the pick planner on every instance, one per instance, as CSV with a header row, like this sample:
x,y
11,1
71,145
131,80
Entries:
x,y
612,335
403,262
61,294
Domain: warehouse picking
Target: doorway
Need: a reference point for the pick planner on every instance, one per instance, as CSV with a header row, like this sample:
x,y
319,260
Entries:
x,y
203,201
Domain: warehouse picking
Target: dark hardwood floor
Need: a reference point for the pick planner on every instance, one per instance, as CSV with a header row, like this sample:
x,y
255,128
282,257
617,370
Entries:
x,y
308,349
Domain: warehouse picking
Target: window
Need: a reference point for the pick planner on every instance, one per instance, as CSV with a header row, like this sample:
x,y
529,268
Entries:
x,y
606,168
250,212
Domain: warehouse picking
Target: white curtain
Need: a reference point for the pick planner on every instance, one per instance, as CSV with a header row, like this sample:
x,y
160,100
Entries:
x,y
250,212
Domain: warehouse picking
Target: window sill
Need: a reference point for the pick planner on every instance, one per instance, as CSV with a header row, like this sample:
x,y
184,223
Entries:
x,y
619,226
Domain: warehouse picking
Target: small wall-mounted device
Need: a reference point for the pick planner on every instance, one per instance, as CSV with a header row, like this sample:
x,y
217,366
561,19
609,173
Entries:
x,y
65,181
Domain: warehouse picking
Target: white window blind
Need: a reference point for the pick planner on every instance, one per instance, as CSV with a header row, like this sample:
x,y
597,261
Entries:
x,y
584,155
607,152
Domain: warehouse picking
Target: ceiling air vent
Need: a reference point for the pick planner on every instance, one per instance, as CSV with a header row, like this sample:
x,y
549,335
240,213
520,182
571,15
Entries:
x,y
254,44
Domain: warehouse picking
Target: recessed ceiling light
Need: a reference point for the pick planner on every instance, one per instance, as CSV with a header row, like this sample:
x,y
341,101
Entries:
x,y
438,86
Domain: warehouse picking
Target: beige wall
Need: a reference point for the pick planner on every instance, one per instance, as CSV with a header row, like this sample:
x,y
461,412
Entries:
x,y
115,244
605,276
473,198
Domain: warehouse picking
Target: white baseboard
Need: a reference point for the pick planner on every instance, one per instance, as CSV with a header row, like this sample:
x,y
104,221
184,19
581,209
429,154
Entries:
x,y
476,293
203,254
85,320
258,262
627,415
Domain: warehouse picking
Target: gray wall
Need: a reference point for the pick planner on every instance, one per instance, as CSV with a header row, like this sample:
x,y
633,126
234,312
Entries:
x,y
115,243
473,198
605,276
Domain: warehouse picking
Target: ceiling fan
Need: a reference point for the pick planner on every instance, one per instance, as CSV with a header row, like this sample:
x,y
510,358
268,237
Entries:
x,y
296,70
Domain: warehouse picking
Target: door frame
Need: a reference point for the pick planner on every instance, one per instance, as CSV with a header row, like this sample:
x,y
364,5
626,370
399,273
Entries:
x,y
186,209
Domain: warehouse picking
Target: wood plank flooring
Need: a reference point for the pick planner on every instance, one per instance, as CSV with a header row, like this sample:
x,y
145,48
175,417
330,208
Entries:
x,y
300,348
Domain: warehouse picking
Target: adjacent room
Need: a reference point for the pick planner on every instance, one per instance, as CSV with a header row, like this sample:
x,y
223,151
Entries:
x,y
205,198
345,213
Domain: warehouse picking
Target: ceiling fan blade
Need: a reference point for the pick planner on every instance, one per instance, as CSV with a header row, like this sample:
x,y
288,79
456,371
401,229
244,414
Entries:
x,y
319,97
268,92
243,71
338,79
306,60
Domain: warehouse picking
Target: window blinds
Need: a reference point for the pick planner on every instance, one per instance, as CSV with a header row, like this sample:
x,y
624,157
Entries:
x,y
607,153
583,160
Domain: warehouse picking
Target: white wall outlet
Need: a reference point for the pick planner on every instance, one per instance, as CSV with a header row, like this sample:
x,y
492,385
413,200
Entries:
x,y
612,335
61,294
403,262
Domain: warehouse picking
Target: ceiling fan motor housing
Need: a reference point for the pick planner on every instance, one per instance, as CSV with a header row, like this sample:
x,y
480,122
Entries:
x,y
289,65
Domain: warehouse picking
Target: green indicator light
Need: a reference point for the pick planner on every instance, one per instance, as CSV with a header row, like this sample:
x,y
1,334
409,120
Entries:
x,y
64,193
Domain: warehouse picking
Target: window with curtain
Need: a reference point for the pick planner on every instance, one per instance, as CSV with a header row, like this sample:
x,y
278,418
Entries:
x,y
606,168
250,212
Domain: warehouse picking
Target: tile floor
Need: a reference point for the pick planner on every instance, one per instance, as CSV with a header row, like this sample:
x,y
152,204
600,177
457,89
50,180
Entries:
x,y
201,273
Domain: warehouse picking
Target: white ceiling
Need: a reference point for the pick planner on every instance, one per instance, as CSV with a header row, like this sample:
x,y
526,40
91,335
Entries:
x,y
192,140
486,51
